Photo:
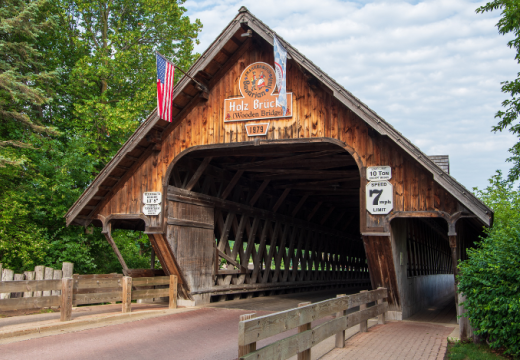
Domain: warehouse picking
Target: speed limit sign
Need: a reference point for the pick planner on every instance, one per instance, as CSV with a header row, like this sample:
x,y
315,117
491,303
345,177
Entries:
x,y
380,197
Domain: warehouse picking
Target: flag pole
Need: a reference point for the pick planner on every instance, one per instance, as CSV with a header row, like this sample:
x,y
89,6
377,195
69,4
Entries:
x,y
178,68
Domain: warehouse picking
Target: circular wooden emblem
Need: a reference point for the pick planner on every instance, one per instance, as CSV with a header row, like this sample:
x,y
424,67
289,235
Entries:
x,y
257,80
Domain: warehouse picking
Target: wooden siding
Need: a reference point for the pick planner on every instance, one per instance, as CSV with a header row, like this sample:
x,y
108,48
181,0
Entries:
x,y
316,114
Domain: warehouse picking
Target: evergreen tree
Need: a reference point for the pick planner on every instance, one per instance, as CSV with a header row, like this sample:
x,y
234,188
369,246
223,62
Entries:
x,y
22,76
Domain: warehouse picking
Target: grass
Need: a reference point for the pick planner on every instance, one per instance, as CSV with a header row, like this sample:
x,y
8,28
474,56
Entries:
x,y
470,351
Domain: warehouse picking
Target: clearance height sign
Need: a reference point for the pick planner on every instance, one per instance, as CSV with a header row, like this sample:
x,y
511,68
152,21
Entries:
x,y
257,85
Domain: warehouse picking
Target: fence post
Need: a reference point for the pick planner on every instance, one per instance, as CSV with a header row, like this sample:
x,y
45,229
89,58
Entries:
x,y
7,275
38,275
67,269
29,275
381,319
58,275
127,294
245,349
173,292
66,299
49,274
17,277
465,329
340,337
305,354
363,326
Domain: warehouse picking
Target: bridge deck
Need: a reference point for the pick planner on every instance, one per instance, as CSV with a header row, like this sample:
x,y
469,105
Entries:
x,y
442,312
279,302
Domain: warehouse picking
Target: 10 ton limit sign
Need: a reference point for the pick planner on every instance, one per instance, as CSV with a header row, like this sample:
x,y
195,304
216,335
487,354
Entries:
x,y
379,194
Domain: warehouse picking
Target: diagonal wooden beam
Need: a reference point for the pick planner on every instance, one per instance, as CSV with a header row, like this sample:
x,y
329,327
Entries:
x,y
112,243
316,207
229,259
281,199
231,184
224,235
250,241
300,204
198,173
259,192
176,178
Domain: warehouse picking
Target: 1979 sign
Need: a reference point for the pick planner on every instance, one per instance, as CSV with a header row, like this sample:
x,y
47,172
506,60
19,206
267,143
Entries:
x,y
257,129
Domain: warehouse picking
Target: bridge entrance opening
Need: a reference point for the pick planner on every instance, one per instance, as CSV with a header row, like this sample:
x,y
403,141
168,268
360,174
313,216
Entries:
x,y
252,221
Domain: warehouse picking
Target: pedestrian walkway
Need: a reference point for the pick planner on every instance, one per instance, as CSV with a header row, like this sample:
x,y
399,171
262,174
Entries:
x,y
396,341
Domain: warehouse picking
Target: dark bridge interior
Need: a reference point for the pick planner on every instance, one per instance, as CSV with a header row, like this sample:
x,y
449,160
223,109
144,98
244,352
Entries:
x,y
286,217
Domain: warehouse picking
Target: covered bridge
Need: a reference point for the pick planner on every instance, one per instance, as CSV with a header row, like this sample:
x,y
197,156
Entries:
x,y
248,201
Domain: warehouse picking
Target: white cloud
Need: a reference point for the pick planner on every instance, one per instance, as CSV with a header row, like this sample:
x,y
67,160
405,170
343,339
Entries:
x,y
431,68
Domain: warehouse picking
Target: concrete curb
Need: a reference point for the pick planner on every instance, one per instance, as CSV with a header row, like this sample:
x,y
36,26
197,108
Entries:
x,y
56,325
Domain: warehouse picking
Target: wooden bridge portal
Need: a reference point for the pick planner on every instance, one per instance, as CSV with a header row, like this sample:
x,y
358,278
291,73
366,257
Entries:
x,y
249,201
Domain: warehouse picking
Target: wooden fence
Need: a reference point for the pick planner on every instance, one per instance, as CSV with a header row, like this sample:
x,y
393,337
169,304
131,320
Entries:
x,y
251,329
88,289
39,273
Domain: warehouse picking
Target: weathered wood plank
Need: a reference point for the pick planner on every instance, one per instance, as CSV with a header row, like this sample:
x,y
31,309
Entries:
x,y
300,342
269,325
151,281
29,303
150,294
29,285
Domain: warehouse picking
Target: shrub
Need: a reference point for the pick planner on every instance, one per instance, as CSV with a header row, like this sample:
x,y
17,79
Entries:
x,y
490,278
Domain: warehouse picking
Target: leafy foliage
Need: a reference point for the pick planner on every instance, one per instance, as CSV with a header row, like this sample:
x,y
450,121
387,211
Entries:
x,y
85,82
509,23
21,75
490,278
463,351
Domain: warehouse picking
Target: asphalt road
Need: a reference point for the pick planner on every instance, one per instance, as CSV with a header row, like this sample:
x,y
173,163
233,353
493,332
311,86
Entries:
x,y
200,334
206,333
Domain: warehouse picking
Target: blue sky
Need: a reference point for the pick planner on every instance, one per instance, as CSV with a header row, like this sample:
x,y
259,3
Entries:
x,y
430,68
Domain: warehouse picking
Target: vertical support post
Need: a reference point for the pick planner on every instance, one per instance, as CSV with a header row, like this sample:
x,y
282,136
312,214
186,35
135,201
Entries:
x,y
453,248
245,349
48,275
305,354
363,326
340,337
152,259
68,269
173,292
127,294
38,275
29,275
58,275
7,275
17,277
66,299
381,319
466,331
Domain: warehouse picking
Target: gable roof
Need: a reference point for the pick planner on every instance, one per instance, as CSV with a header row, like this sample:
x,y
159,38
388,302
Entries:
x,y
141,140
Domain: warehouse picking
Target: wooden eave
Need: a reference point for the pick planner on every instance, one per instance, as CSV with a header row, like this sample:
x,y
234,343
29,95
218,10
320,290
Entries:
x,y
187,95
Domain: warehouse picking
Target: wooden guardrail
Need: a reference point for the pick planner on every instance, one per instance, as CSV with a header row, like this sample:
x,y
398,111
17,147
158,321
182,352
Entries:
x,y
88,289
251,329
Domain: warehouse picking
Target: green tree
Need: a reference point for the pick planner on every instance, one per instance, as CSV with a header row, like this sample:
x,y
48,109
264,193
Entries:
x,y
113,81
102,58
22,76
509,23
490,278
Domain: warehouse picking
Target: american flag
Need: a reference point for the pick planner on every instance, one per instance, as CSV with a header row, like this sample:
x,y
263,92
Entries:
x,y
165,74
